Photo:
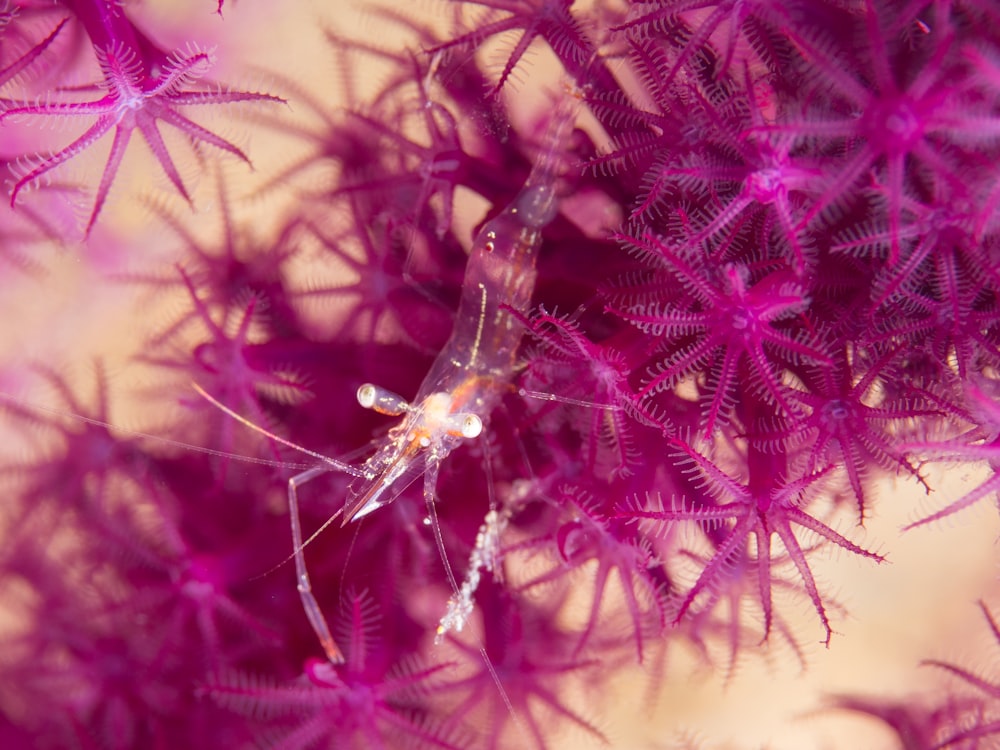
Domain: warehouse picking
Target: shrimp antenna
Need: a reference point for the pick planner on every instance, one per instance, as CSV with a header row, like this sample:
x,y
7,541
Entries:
x,y
331,462
11,399
328,464
543,396
309,540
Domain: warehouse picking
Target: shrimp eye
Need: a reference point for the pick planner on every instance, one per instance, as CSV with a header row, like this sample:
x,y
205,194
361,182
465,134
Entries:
x,y
382,401
472,426
366,395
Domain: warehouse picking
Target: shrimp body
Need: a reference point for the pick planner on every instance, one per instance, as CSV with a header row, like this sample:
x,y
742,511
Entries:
x,y
474,369
500,273
462,388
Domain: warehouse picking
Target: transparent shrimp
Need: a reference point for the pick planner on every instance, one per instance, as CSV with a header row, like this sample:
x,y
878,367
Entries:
x,y
466,381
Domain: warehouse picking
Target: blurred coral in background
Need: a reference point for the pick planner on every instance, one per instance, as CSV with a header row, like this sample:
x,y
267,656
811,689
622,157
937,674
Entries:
x,y
765,330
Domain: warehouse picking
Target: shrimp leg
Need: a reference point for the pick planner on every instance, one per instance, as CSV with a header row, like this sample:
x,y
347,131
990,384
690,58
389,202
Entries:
x,y
309,603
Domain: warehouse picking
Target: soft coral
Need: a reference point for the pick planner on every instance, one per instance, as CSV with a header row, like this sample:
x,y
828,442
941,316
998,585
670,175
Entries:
x,y
732,511
368,702
892,122
144,84
734,324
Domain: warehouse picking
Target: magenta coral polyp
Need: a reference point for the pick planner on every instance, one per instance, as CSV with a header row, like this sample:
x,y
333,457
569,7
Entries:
x,y
144,84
